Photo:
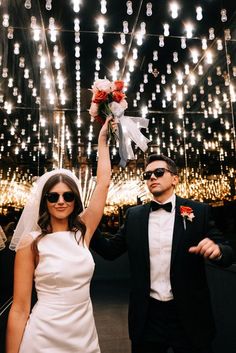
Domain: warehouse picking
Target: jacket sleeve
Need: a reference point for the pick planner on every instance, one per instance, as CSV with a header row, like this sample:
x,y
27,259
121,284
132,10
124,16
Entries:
x,y
112,246
217,236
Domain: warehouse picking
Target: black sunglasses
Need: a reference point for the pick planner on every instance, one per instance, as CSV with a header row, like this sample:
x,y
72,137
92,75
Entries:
x,y
53,197
159,172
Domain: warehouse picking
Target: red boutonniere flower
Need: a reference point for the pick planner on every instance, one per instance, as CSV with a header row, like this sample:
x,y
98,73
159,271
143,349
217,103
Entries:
x,y
187,213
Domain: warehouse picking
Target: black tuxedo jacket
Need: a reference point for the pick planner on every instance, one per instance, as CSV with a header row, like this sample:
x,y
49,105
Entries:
x,y
187,272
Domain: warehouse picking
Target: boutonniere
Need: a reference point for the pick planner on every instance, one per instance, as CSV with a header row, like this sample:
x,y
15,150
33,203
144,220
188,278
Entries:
x,y
187,213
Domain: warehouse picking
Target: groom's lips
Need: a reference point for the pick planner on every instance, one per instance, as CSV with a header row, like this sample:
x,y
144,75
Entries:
x,y
155,184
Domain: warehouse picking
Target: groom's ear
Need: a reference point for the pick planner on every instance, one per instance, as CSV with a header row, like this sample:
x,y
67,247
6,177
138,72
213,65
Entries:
x,y
175,180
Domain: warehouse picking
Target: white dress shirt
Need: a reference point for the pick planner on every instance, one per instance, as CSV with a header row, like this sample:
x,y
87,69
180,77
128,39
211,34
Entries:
x,y
160,234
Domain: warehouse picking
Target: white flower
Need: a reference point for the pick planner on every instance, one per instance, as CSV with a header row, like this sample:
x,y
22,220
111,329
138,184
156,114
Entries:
x,y
102,85
93,111
124,104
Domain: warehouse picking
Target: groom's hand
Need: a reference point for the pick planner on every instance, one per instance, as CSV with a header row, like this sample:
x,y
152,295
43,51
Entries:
x,y
207,248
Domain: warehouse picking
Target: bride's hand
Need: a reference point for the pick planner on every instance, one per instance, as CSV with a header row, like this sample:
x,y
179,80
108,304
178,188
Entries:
x,y
105,128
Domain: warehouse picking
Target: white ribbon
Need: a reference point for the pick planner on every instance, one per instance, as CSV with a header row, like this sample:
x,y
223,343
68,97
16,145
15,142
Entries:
x,y
129,129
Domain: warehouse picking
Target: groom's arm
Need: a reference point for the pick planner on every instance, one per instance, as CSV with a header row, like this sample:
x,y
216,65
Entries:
x,y
109,247
214,246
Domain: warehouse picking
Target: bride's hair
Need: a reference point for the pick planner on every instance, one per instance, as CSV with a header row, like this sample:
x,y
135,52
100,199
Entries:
x,y
74,221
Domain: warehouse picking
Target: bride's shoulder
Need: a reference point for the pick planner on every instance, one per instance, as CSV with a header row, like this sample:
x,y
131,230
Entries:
x,y
27,239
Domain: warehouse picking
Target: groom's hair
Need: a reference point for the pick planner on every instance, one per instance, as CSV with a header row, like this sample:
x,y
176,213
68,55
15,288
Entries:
x,y
160,157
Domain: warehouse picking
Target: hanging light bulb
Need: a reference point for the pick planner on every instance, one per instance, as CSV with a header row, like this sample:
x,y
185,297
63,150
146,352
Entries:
x,y
16,48
219,44
166,30
180,78
28,4
33,22
5,21
122,39
135,53
150,68
97,65
161,41
76,25
52,30
227,34
204,43
103,7
183,43
174,7
223,13
99,52
139,38
143,28
199,13
211,33
36,34
48,5
155,55
10,32
129,7
175,57
200,70
10,82
145,78
127,79
163,79
149,9
168,69
195,55
101,29
76,6
77,51
125,27
209,57
189,30
26,73
131,65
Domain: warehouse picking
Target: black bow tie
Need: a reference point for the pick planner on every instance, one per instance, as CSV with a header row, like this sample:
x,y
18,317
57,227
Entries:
x,y
156,206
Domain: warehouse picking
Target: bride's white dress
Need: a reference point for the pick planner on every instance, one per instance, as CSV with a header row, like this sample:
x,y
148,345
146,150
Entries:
x,y
62,319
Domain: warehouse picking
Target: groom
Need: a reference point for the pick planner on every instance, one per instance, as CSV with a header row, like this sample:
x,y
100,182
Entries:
x,y
167,242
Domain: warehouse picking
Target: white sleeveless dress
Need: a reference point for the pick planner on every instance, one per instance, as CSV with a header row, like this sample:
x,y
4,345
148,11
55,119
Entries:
x,y
62,319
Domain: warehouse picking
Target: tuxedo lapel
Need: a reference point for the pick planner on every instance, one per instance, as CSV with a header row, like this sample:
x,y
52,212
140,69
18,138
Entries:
x,y
143,224
178,227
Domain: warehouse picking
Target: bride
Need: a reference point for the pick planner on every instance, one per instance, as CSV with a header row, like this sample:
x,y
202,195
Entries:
x,y
52,239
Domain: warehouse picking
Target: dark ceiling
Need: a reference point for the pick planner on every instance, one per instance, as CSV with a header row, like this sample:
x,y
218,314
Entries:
x,y
197,130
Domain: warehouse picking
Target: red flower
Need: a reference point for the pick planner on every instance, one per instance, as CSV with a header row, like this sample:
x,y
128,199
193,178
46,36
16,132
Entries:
x,y
187,212
99,119
100,96
118,96
106,97
119,85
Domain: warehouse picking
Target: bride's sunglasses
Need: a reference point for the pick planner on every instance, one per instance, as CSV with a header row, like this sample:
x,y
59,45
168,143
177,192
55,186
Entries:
x,y
53,197
158,172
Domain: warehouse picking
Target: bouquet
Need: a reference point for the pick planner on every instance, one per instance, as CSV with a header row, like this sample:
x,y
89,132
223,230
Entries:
x,y
104,94
109,100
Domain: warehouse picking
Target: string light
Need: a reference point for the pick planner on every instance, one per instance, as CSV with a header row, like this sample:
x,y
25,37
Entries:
x,y
185,95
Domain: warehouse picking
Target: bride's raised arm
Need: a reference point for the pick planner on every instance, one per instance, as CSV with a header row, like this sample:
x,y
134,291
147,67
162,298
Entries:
x,y
93,213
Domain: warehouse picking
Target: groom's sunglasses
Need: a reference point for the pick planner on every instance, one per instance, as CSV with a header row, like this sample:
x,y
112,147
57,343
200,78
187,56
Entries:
x,y
159,172
53,197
